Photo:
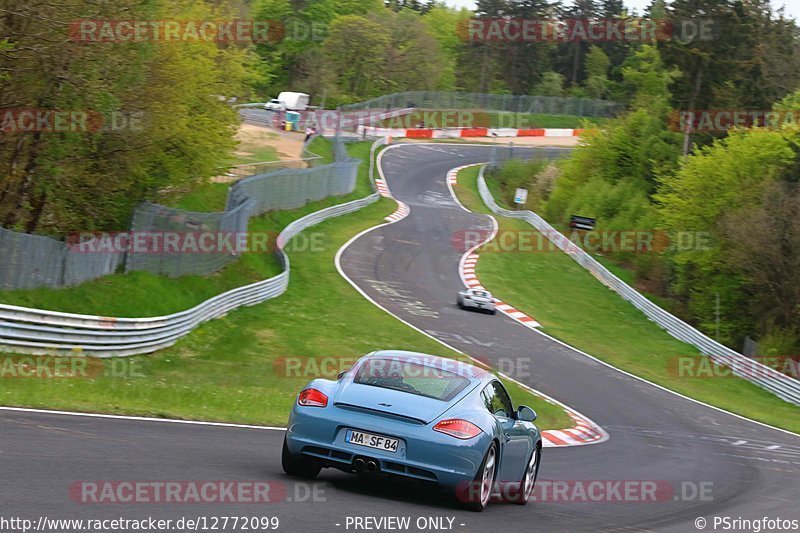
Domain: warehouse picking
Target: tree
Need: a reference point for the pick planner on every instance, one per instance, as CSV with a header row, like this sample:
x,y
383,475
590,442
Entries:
x,y
647,79
571,55
596,67
413,59
57,182
762,243
293,62
356,50
445,24
726,179
552,84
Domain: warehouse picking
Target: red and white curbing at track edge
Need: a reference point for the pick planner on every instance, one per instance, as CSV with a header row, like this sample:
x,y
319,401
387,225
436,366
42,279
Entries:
x,y
584,431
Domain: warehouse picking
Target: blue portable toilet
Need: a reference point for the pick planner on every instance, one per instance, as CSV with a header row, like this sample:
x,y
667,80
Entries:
x,y
292,120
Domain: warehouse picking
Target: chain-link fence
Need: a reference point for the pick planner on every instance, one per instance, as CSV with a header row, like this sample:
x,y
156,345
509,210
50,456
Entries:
x,y
549,105
503,153
293,188
31,261
168,241
177,242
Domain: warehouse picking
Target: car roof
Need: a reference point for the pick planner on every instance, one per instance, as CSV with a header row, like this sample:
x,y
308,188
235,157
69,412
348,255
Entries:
x,y
479,290
441,363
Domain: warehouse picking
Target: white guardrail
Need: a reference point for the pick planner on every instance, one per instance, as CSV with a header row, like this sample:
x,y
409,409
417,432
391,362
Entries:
x,y
783,386
41,332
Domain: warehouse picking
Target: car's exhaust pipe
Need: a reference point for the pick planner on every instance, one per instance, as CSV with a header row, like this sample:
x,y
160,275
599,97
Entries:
x,y
372,466
359,464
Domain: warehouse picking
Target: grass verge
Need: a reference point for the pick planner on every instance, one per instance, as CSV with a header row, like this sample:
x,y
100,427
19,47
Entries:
x,y
575,308
247,367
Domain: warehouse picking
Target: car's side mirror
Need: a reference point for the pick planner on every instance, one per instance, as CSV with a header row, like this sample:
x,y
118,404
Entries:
x,y
526,414
341,375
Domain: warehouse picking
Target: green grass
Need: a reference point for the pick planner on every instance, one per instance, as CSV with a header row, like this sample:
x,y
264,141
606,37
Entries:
x,y
504,195
575,308
207,197
233,369
256,154
255,150
323,148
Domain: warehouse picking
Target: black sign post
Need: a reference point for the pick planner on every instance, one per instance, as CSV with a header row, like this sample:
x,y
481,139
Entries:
x,y
579,222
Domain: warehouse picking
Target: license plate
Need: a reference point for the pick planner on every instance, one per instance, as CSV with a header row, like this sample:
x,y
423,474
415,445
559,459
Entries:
x,y
372,441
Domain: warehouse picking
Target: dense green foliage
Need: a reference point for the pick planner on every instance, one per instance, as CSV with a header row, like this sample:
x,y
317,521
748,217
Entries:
x,y
749,61
730,210
68,180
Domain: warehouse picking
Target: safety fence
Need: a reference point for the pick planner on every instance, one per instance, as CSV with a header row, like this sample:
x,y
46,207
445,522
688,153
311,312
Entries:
x,y
783,386
550,105
29,261
41,332
251,169
32,261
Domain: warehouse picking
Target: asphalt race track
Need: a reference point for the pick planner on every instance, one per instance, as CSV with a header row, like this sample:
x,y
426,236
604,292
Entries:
x,y
410,268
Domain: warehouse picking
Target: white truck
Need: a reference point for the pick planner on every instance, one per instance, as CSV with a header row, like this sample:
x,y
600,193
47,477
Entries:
x,y
288,101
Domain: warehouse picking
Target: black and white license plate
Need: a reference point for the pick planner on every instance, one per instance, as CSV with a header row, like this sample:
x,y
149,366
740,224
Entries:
x,y
371,441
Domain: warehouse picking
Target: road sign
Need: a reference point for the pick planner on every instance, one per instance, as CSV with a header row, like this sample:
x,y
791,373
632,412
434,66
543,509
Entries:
x,y
579,222
521,196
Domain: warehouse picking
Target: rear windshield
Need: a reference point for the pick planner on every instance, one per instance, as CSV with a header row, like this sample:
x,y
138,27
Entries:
x,y
410,377
480,293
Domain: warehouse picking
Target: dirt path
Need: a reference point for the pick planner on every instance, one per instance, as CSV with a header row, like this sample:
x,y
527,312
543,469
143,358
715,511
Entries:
x,y
289,144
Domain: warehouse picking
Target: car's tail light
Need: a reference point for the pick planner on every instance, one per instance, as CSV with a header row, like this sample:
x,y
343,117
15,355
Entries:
x,y
312,398
460,429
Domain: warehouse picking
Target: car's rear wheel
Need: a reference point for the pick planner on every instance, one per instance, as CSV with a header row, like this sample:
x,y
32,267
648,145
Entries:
x,y
460,301
482,486
299,466
529,477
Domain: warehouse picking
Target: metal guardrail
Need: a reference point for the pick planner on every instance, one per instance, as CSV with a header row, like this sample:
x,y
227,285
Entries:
x,y
382,141
40,332
783,386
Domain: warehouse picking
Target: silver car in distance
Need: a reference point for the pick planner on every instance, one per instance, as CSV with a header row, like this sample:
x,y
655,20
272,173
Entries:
x,y
479,299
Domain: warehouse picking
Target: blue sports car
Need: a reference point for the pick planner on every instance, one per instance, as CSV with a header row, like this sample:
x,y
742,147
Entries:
x,y
419,417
